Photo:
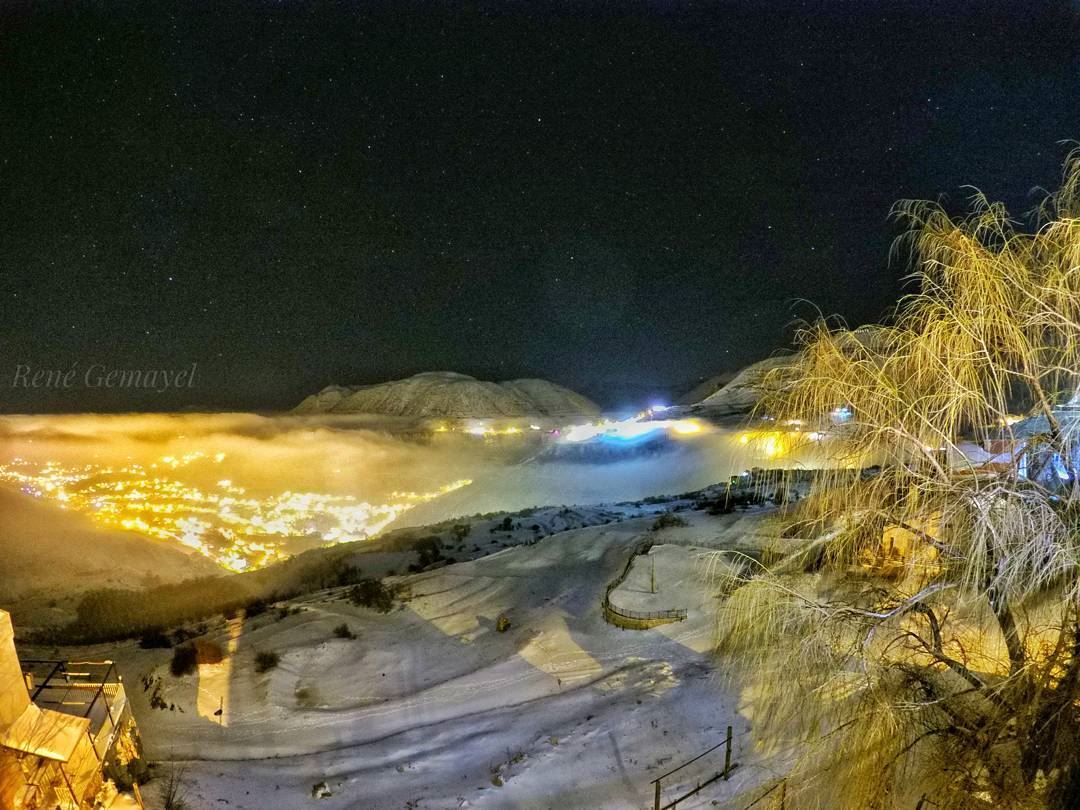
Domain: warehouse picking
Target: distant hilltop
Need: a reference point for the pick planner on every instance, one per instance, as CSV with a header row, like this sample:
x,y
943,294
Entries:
x,y
445,394
727,395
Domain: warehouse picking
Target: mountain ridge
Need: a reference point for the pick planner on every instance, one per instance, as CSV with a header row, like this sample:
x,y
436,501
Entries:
x,y
448,394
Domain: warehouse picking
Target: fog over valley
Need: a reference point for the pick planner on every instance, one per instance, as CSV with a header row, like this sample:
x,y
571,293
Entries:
x,y
243,490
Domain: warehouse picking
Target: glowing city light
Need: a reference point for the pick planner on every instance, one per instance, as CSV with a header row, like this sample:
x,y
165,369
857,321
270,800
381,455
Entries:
x,y
630,430
235,530
686,427
771,444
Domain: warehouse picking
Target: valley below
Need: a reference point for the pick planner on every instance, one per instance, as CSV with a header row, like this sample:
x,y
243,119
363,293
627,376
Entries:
x,y
493,677
434,705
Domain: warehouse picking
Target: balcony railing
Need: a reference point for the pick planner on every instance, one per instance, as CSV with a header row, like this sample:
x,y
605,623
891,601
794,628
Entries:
x,y
90,689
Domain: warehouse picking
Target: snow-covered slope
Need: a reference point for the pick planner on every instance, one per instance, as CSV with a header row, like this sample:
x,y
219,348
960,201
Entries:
x,y
705,388
446,394
744,391
49,555
432,707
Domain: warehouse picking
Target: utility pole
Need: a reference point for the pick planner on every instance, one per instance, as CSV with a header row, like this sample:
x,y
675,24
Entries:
x,y
652,577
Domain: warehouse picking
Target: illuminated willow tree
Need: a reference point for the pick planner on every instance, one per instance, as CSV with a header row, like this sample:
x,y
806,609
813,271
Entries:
x,y
954,673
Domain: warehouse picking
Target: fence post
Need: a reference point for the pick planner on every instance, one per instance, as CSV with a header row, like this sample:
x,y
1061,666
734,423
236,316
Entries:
x,y
727,755
656,800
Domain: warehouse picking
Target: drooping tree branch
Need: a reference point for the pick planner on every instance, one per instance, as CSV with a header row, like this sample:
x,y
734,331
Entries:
x,y
994,320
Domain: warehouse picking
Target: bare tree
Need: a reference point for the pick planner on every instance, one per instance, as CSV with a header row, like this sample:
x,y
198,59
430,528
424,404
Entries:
x,y
954,672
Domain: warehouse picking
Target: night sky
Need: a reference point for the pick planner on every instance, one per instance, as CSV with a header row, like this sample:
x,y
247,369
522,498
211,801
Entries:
x,y
621,198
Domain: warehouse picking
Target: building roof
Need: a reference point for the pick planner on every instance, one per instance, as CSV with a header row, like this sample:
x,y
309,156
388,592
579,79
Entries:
x,y
45,733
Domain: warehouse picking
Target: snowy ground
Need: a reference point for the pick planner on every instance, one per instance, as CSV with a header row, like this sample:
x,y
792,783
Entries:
x,y
431,707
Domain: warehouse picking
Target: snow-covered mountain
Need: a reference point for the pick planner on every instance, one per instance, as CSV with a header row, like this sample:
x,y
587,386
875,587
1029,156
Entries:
x,y
744,391
445,394
704,388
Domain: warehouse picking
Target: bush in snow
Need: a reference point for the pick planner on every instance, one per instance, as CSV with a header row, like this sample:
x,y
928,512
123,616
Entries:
x,y
155,639
187,657
371,593
344,631
266,660
428,550
668,520
184,660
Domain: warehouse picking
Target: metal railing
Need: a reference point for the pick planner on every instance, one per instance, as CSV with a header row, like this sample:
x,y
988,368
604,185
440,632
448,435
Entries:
x,y
729,766
73,680
674,614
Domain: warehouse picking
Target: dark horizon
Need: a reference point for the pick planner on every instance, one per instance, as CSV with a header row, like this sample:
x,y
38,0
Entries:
x,y
621,201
